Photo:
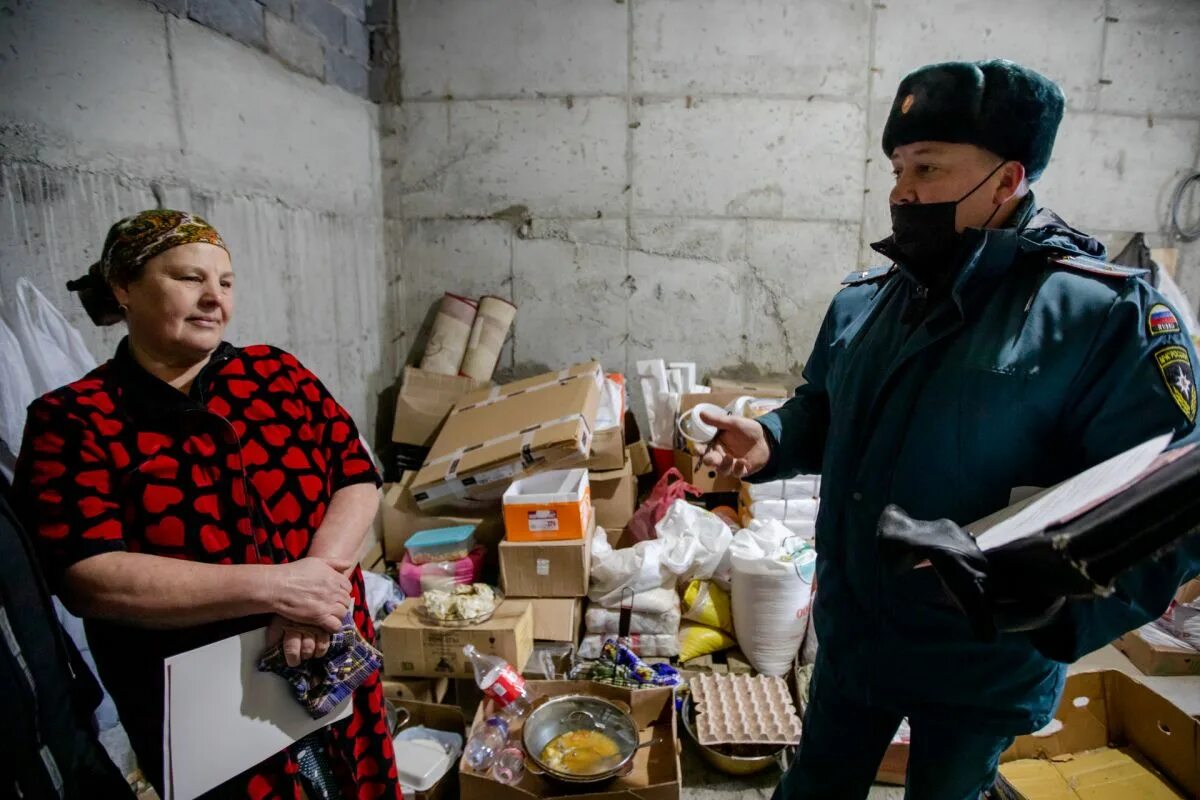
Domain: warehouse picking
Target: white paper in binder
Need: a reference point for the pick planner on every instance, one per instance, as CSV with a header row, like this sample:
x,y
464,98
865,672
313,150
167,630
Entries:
x,y
222,716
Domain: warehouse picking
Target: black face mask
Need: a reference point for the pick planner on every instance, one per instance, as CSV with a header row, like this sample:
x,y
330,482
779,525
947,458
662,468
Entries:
x,y
924,234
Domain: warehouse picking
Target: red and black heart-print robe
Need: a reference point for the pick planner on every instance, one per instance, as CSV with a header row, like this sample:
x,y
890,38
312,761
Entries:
x,y
239,471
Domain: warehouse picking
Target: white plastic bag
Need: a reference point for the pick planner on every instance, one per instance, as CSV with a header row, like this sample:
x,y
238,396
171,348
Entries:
x,y
772,594
16,390
54,351
692,544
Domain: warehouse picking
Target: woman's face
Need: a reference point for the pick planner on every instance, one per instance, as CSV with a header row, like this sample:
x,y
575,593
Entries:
x,y
180,305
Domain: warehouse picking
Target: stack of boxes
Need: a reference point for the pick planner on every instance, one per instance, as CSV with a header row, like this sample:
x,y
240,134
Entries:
x,y
545,556
473,442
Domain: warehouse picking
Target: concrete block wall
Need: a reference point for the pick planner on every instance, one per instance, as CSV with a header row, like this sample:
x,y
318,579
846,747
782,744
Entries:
x,y
109,107
691,179
324,39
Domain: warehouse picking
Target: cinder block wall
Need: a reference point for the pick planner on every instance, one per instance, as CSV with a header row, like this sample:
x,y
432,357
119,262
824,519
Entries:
x,y
692,178
108,107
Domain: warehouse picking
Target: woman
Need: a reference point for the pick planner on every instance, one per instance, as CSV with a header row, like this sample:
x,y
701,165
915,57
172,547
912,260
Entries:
x,y
188,490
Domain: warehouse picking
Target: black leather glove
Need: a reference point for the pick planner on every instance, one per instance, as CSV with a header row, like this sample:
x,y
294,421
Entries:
x,y
964,571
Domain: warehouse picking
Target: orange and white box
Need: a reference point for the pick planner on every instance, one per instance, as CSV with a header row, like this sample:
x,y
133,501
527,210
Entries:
x,y
549,507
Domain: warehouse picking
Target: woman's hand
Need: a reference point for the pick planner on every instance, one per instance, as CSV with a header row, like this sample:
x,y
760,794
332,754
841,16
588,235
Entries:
x,y
740,448
313,592
300,642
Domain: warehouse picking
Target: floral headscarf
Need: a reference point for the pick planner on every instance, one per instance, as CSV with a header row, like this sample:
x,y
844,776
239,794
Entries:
x,y
130,243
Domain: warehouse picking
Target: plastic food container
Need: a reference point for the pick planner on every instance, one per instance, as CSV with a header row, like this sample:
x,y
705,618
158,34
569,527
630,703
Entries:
x,y
416,579
441,544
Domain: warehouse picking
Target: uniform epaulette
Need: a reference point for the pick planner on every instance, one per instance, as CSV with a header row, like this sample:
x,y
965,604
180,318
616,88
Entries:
x,y
866,275
1096,266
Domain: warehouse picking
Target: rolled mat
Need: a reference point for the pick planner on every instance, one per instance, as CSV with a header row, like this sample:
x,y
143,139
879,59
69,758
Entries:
x,y
449,335
494,318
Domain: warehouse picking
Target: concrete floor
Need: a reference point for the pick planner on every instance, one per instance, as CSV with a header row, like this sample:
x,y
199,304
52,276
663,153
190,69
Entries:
x,y
700,782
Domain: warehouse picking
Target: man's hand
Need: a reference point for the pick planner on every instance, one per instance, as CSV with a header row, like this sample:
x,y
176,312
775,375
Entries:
x,y
740,448
312,592
300,642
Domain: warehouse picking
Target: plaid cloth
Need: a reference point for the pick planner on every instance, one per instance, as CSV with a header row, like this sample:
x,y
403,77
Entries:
x,y
321,683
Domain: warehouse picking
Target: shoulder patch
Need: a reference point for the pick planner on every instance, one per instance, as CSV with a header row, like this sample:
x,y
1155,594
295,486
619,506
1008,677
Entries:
x,y
866,275
1175,366
1096,266
1161,319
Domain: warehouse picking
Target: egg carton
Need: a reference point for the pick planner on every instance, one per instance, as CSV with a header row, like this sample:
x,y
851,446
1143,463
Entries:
x,y
744,709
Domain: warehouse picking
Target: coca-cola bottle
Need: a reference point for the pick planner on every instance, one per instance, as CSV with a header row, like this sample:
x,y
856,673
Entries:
x,y
499,681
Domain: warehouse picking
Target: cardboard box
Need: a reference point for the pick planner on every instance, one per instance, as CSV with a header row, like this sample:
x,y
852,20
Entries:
x,y
402,518
414,648
656,771
1100,710
494,436
1154,658
424,402
638,455
608,449
546,569
557,619
751,388
704,478
416,690
439,718
614,496
549,507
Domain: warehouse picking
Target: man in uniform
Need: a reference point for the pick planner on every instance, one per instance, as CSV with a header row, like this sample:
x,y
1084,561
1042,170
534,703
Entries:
x,y
999,351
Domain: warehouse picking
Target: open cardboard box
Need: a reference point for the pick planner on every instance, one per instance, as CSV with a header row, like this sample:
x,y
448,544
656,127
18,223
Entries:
x,y
1110,709
656,770
439,718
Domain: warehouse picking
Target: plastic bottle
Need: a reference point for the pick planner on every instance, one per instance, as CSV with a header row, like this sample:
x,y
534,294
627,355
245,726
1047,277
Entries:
x,y
509,766
499,681
486,743
506,687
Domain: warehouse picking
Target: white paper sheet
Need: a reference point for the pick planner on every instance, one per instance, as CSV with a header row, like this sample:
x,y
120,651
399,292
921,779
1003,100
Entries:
x,y
222,716
1069,498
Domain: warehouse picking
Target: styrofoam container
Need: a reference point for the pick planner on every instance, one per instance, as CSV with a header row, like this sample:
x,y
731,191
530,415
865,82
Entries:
x,y
549,507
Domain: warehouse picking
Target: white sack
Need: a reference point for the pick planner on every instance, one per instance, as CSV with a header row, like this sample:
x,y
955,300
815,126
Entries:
x,y
771,599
